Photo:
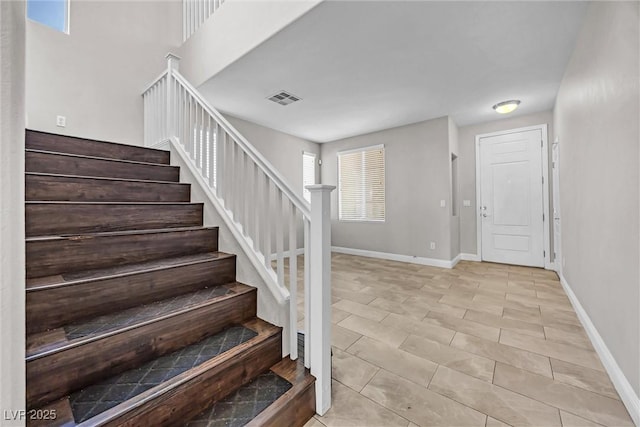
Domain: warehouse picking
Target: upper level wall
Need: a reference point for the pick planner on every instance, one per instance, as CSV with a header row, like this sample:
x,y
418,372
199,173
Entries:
x,y
95,75
233,30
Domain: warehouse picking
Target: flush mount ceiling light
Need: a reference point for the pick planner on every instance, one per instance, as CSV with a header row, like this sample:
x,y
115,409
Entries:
x,y
505,107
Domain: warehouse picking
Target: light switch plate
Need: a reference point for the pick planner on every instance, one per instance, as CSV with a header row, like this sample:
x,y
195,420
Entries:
x,y
443,203
466,203
61,121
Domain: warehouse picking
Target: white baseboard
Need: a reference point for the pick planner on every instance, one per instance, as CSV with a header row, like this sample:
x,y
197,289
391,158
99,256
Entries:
x,y
620,382
299,251
470,257
397,257
456,260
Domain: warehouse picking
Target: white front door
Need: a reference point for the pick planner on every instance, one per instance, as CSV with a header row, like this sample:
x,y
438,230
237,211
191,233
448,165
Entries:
x,y
511,198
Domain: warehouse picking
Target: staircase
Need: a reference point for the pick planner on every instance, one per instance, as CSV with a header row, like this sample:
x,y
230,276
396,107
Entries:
x,y
133,315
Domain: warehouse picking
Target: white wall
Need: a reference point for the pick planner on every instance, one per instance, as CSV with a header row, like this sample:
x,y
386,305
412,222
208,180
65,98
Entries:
x,y
95,75
234,30
467,168
596,118
417,163
12,263
282,150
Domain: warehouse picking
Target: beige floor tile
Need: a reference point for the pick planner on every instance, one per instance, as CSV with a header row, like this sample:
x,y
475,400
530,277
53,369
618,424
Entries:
x,y
343,338
504,323
492,422
515,310
418,404
394,360
378,292
474,305
351,370
497,402
404,309
433,305
589,405
460,360
556,304
570,420
375,330
362,298
588,379
575,337
422,329
568,353
351,409
338,315
558,318
361,310
313,422
503,353
461,325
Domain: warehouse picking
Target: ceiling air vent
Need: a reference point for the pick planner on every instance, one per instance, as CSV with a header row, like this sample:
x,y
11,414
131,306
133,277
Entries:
x,y
284,98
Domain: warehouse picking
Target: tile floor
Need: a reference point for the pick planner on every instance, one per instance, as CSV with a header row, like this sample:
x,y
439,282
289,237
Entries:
x,y
479,345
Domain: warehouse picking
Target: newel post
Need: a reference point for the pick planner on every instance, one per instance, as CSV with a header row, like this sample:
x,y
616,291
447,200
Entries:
x,y
320,294
173,63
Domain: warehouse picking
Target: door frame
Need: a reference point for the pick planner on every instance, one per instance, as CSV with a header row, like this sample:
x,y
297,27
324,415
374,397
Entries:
x,y
548,265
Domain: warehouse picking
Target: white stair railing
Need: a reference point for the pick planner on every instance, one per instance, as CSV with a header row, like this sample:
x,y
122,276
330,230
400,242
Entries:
x,y
195,12
262,211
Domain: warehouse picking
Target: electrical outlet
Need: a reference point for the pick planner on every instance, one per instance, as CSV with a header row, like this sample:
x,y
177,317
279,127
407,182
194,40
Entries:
x,y
443,203
432,245
61,121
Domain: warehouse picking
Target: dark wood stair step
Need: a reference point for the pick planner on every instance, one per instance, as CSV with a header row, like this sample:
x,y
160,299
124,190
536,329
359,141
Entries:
x,y
36,140
68,359
51,187
179,396
59,218
75,164
52,255
283,396
52,302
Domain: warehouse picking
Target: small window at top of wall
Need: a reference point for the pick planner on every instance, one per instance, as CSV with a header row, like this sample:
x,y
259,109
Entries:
x,y
52,13
308,173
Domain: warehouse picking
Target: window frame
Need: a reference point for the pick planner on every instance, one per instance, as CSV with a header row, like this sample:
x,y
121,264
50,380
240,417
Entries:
x,y
362,150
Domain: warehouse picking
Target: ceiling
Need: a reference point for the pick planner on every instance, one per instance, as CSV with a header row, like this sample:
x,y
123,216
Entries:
x,y
363,66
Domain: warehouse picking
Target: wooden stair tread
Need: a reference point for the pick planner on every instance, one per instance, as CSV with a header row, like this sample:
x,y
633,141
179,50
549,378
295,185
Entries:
x,y
262,332
102,178
87,157
82,236
43,344
107,203
38,140
45,283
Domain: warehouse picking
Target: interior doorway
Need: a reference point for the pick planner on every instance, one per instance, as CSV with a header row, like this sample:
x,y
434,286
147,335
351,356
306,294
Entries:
x,y
512,197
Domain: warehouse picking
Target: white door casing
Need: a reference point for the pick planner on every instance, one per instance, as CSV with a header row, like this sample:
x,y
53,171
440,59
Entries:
x,y
555,175
512,197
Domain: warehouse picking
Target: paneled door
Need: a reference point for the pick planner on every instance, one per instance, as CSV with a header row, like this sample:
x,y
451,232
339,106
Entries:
x,y
511,198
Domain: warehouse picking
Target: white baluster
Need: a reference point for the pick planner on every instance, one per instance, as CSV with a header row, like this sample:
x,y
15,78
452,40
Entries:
x,y
256,202
266,214
279,236
293,282
320,293
307,284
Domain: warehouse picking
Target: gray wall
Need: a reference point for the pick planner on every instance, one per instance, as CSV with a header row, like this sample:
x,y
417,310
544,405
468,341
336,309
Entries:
x,y
417,163
95,75
467,168
596,119
12,281
282,150
455,220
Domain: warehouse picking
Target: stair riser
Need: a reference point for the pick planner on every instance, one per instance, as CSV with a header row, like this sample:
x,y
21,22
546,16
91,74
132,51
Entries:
x,y
195,396
61,188
53,308
66,255
59,374
59,219
85,147
70,165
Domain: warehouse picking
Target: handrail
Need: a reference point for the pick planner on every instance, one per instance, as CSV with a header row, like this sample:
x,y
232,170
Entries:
x,y
258,158
264,214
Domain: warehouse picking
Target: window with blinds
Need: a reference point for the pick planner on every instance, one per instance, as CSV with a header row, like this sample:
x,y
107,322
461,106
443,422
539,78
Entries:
x,y
361,184
308,173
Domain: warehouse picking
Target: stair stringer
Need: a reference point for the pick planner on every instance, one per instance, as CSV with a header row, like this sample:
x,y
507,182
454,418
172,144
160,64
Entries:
x,y
273,301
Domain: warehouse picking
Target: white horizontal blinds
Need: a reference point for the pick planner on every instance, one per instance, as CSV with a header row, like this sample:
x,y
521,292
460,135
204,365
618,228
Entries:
x,y
361,184
308,173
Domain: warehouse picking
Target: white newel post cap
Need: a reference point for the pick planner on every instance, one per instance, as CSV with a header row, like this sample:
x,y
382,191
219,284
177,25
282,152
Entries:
x,y
173,61
320,187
